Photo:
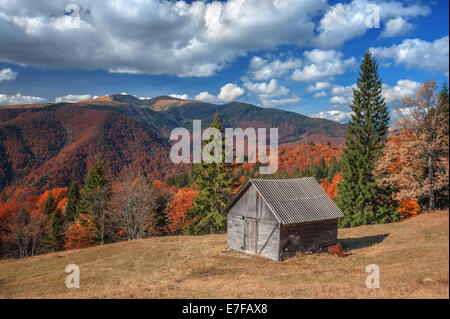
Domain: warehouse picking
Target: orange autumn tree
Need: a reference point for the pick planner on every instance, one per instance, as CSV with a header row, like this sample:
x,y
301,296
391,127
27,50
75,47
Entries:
x,y
301,156
331,189
82,233
52,204
408,207
7,210
400,169
162,186
179,206
60,196
295,157
428,114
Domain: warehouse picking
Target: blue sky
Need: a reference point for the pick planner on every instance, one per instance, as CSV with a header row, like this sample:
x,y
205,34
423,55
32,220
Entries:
x,y
296,55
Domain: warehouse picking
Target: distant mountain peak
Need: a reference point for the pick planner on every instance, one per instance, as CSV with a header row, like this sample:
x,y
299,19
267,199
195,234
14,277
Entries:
x,y
125,98
163,103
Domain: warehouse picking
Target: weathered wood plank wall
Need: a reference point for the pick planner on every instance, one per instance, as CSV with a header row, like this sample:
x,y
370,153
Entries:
x,y
235,232
268,238
307,237
252,205
246,205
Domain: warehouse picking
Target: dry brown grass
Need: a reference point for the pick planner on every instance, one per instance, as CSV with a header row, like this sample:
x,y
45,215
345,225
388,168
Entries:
x,y
413,257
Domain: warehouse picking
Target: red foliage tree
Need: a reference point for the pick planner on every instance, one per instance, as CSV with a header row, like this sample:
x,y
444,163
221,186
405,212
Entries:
x,y
81,234
331,189
179,206
401,169
300,156
59,194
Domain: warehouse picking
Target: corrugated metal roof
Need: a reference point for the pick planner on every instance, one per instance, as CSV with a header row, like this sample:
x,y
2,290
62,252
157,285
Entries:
x,y
294,200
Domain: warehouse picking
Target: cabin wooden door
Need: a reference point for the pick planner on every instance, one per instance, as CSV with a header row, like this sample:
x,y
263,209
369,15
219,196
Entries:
x,y
250,235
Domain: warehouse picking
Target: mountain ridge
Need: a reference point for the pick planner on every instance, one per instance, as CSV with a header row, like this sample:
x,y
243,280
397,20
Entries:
x,y
49,145
292,126
47,148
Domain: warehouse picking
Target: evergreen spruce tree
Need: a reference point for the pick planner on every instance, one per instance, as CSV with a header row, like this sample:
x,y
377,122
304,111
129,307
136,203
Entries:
x,y
50,205
161,196
72,203
443,109
359,197
54,235
95,196
213,181
160,220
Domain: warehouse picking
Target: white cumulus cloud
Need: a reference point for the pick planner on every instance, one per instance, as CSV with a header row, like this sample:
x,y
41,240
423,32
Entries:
x,y
271,94
342,94
318,86
320,94
322,64
19,99
230,92
261,69
266,90
346,21
7,75
72,98
153,37
205,96
334,115
416,53
180,96
396,27
404,88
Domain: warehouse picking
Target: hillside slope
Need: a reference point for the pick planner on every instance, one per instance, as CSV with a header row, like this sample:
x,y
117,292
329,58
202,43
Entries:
x,y
413,257
165,113
51,146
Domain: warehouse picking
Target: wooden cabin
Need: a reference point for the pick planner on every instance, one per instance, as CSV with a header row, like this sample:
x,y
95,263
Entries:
x,y
278,218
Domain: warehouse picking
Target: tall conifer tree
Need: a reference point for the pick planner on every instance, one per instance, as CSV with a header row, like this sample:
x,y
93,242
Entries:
x,y
95,197
72,202
213,184
359,197
54,233
50,205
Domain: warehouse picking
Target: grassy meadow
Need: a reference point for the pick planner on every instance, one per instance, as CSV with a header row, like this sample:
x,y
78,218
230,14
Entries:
x,y
413,257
